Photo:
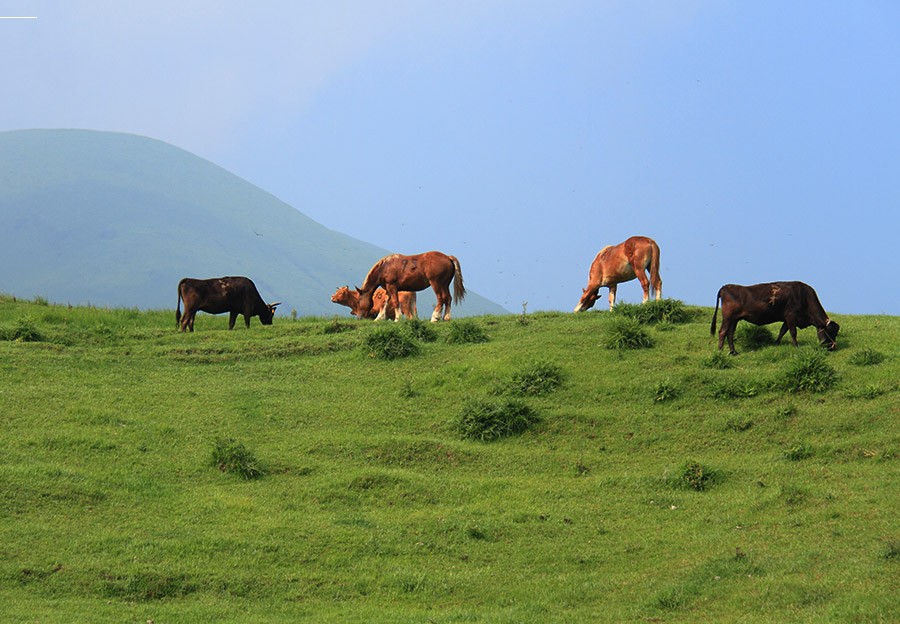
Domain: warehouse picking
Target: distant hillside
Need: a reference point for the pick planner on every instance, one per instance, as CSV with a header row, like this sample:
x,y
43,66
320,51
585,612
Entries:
x,y
117,220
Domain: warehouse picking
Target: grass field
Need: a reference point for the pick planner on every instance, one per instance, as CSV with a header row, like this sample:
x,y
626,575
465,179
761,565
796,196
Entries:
x,y
292,473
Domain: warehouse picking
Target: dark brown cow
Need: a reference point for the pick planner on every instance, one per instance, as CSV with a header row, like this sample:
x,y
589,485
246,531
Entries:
x,y
795,304
235,295
620,263
350,298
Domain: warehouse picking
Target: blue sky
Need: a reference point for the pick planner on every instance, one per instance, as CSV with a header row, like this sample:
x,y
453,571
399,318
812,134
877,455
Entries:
x,y
755,141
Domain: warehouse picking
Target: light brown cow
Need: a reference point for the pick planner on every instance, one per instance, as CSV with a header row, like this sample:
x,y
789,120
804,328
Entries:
x,y
350,298
621,263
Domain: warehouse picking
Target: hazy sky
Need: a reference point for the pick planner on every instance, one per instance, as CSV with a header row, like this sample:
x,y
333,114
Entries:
x,y
755,141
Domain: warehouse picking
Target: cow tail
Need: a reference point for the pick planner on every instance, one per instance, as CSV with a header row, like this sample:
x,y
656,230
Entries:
x,y
712,328
178,307
459,289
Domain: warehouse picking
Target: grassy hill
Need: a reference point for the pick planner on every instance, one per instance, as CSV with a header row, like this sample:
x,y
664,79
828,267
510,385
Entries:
x,y
113,219
290,473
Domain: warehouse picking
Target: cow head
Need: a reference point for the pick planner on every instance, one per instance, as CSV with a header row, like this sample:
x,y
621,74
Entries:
x,y
588,299
827,334
365,303
341,295
266,317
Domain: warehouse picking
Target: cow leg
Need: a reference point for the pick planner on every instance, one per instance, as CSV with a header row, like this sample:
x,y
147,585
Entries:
x,y
232,317
781,333
727,331
612,295
247,320
191,323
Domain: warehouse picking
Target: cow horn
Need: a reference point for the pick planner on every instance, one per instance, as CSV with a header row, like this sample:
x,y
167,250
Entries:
x,y
272,305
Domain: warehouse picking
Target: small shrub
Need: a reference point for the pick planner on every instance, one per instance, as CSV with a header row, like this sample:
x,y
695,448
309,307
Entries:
x,y
739,423
866,357
869,391
231,456
718,361
626,333
487,421
786,411
737,389
694,475
523,318
389,342
417,329
536,379
752,337
336,327
809,372
466,331
666,390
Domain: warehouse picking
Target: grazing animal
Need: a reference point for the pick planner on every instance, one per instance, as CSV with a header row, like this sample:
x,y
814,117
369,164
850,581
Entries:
x,y
620,263
413,273
794,303
350,298
235,295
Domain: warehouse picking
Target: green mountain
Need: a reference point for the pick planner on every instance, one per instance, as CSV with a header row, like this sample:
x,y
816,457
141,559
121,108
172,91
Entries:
x,y
117,220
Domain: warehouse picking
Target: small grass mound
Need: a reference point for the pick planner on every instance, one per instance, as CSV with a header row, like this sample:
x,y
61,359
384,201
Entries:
x,y
536,379
466,331
717,361
666,390
24,330
626,333
809,372
389,342
229,455
488,420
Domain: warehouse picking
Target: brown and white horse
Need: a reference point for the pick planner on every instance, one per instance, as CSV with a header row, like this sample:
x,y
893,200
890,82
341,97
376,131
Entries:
x,y
620,263
414,273
350,298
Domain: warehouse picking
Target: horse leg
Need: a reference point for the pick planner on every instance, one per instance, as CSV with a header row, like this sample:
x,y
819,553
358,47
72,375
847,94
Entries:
x,y
612,295
645,284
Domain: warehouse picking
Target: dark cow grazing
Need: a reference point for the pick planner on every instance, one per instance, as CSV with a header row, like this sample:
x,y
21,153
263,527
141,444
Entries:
x,y
795,304
235,295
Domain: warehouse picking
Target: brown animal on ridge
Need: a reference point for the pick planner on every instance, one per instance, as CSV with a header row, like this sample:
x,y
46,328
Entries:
x,y
794,303
622,263
235,295
413,273
350,298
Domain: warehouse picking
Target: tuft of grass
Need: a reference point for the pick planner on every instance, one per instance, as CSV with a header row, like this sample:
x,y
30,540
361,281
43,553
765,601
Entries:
x,y
487,420
890,549
809,372
24,330
336,327
718,361
866,357
753,337
662,311
466,331
798,452
417,329
229,455
389,342
537,378
626,333
693,475
666,390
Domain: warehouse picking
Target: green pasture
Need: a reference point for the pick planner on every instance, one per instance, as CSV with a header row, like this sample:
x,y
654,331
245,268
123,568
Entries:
x,y
551,467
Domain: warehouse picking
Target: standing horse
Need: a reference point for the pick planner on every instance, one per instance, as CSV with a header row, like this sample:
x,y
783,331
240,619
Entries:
x,y
621,263
414,273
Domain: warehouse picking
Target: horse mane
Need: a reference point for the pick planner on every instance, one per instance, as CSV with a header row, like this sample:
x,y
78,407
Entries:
x,y
373,275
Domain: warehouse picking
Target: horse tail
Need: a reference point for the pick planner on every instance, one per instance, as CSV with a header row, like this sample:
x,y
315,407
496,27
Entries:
x,y
655,279
459,289
712,328
178,307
